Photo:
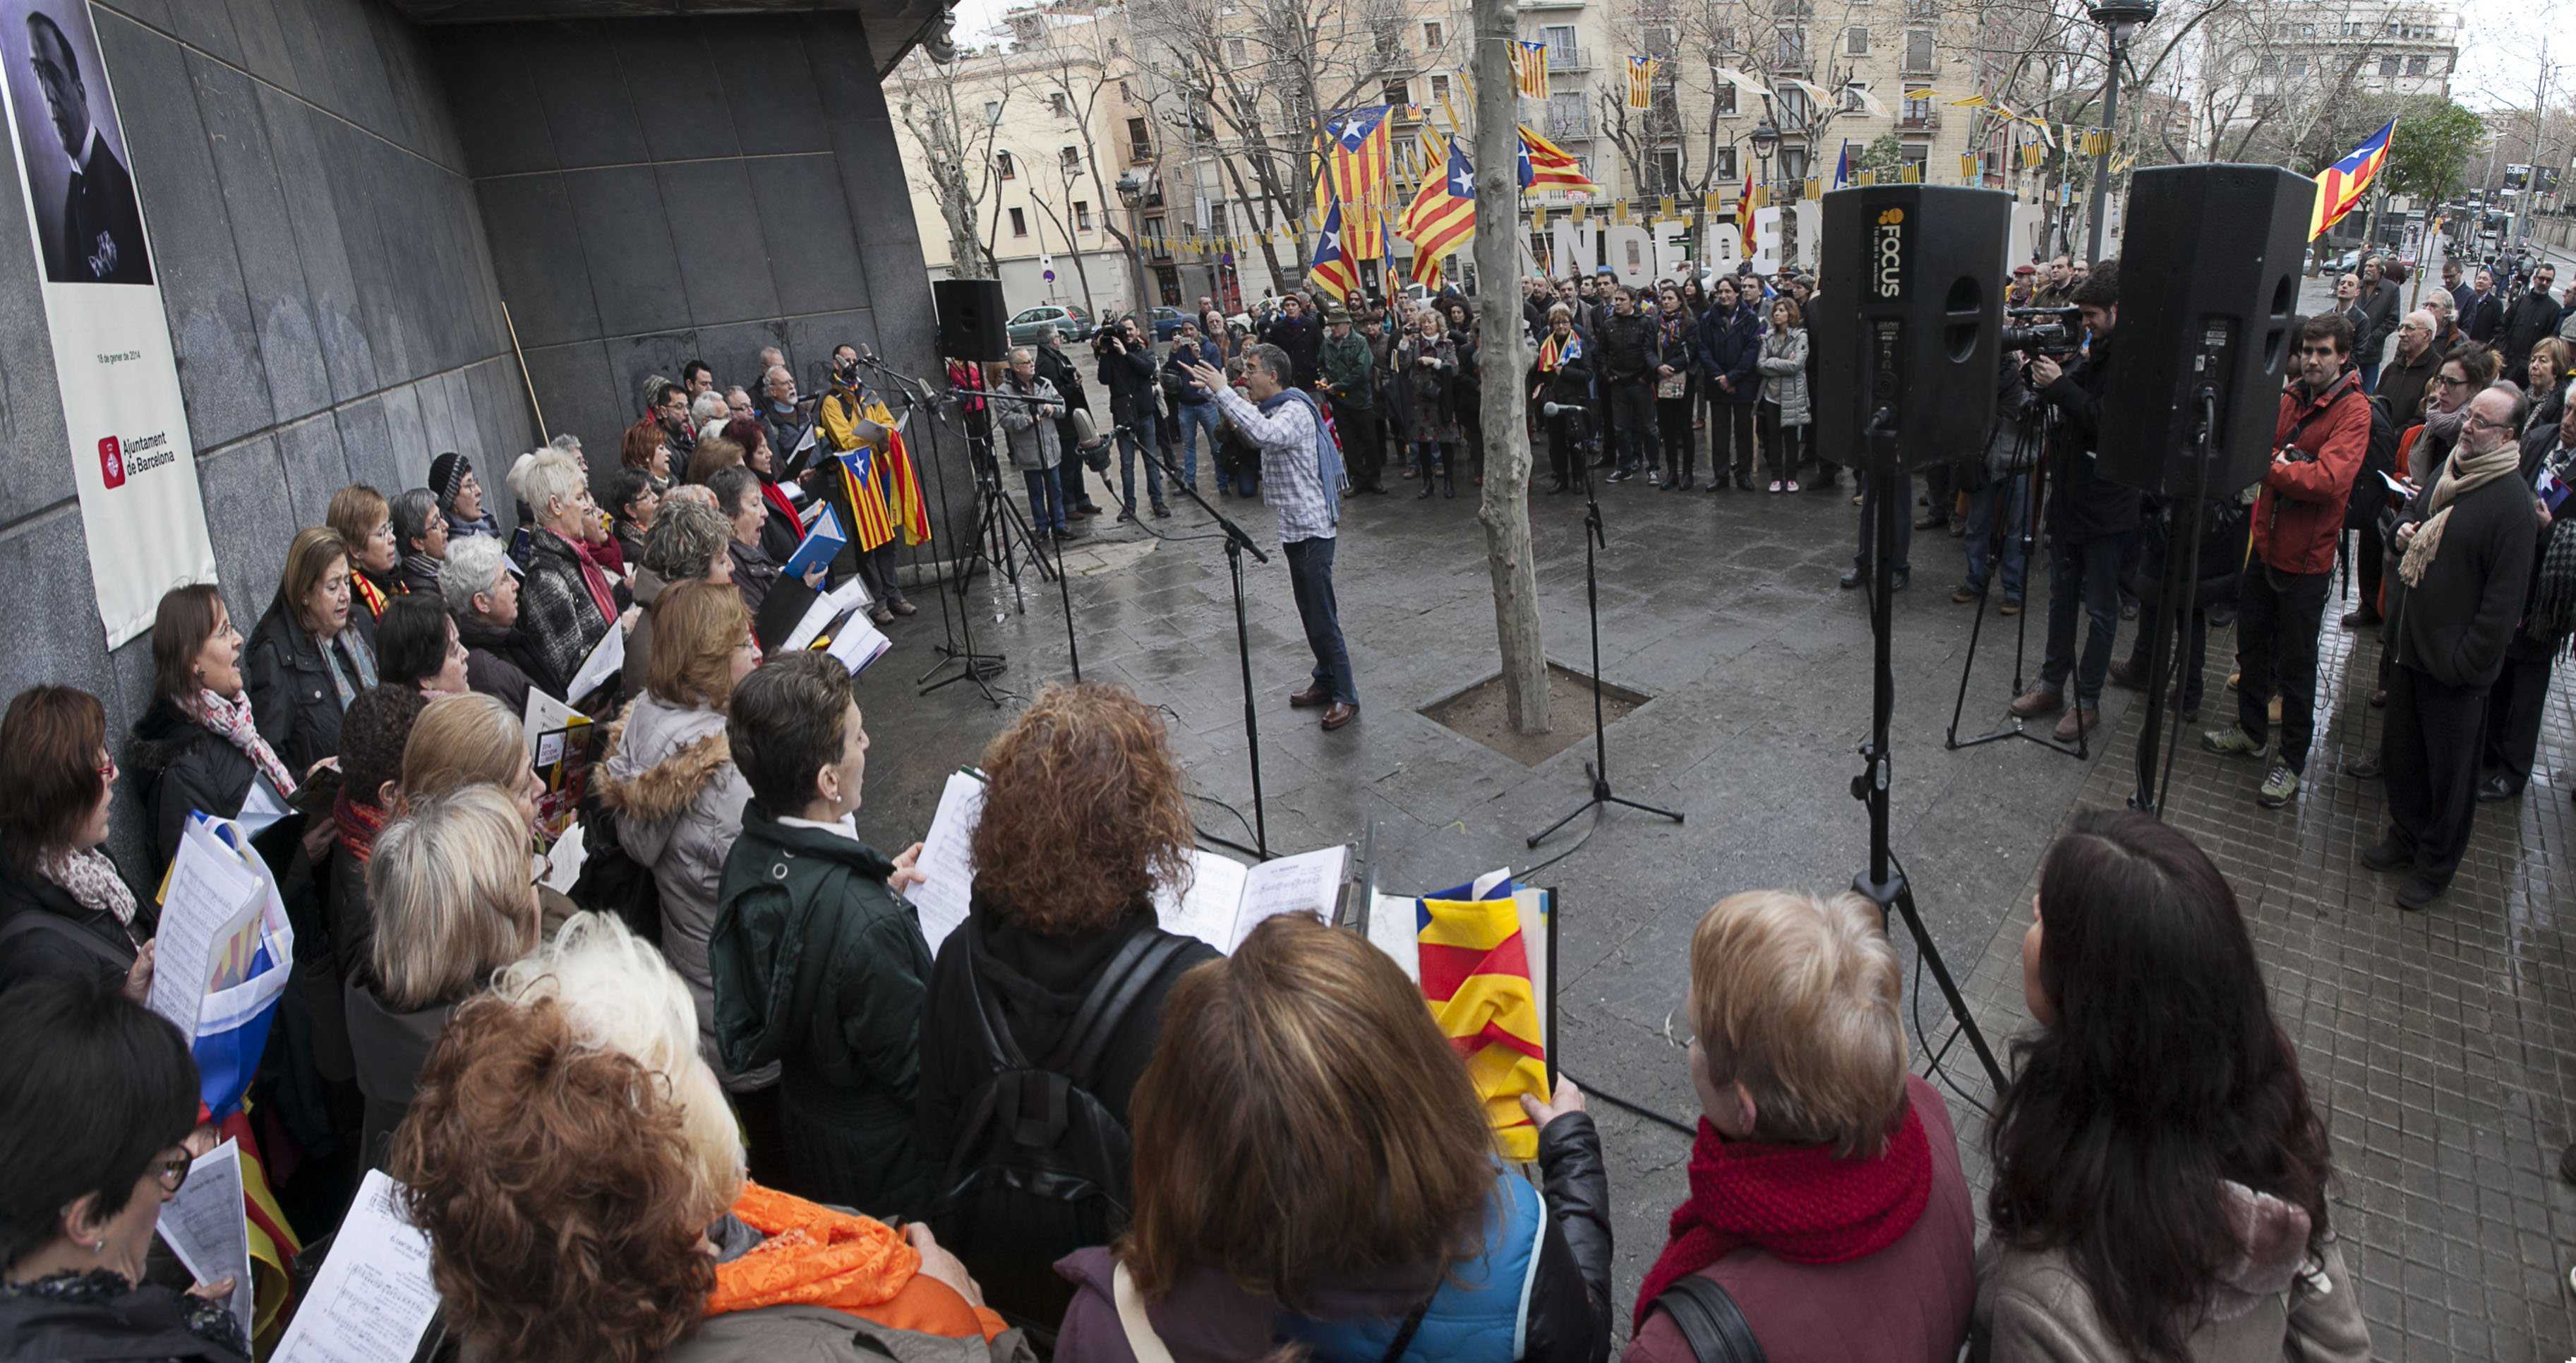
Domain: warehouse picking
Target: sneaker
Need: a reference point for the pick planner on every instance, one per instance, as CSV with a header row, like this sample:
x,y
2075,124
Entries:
x,y
1620,475
2416,894
2233,742
1790,486
2037,701
1775,485
2278,788
2384,856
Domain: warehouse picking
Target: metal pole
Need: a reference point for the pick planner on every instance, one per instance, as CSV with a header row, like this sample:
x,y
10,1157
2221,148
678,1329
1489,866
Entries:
x,y
2102,159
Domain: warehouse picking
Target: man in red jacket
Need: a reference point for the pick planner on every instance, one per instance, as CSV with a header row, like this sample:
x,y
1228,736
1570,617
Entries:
x,y
2317,446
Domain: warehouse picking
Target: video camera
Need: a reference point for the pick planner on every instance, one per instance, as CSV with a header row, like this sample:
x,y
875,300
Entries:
x,y
2046,330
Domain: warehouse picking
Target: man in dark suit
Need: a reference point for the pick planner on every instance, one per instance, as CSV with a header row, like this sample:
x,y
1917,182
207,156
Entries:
x,y
100,237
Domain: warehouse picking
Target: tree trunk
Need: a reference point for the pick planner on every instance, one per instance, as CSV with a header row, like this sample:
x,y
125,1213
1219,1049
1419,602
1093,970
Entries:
x,y
1504,510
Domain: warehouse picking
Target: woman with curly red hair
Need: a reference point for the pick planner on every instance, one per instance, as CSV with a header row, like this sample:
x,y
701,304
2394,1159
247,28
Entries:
x,y
1084,824
579,1177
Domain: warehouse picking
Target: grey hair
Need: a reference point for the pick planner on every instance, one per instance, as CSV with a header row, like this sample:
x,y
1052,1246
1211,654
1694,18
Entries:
x,y
566,442
706,407
1018,350
472,568
772,357
1049,333
448,889
411,510
539,480
777,371
685,539
728,395
2440,303
1271,358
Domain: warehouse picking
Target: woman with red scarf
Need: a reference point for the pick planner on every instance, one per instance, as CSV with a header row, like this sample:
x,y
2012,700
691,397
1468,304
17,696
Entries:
x,y
1825,1194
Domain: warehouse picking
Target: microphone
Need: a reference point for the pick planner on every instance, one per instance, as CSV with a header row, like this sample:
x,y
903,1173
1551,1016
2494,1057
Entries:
x,y
1559,409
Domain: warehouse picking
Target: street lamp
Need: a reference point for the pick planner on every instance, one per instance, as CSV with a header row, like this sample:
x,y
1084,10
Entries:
x,y
1131,192
2120,19
1766,142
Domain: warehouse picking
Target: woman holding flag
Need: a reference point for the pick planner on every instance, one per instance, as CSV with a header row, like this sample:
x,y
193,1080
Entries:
x,y
1562,376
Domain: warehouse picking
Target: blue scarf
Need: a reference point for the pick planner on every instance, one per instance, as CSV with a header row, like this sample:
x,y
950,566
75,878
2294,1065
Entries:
x,y
1328,456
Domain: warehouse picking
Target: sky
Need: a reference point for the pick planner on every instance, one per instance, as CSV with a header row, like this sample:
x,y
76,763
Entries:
x,y
2500,51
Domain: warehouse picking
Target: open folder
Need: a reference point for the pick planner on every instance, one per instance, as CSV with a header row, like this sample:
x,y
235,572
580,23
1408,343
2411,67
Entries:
x,y
1226,900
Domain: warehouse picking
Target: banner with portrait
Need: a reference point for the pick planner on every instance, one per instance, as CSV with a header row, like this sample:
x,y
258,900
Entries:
x,y
132,460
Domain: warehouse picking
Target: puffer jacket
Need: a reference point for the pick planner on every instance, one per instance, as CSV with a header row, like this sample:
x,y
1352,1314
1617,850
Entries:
x,y
1028,428
671,783
1784,373
2273,1304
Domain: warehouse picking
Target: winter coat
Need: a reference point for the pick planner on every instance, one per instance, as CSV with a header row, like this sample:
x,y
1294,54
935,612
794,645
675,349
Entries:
x,y
1422,392
2298,516
1303,339
821,970
821,1334
73,941
1130,376
182,765
2403,384
2482,318
2455,625
98,1315
2082,504
1631,348
1029,429
1350,366
389,1048
2380,312
2533,316
556,610
1680,335
671,782
1907,1303
291,691
496,661
1730,344
1058,368
2033,1308
1784,373
1570,383
1206,355
1555,1307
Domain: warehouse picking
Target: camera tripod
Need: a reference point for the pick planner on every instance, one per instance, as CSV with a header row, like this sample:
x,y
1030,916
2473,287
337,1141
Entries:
x,y
1882,882
973,666
2034,436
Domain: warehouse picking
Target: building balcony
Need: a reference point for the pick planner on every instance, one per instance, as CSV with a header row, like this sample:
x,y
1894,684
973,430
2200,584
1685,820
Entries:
x,y
1569,58
1570,127
1527,5
1927,121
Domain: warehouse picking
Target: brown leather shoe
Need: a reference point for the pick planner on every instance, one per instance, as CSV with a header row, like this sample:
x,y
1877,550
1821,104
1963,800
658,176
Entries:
x,y
2082,719
902,607
1309,698
1339,715
2038,700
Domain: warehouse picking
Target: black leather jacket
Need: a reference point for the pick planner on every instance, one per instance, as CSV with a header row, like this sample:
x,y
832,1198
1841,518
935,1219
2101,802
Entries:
x,y
1569,1306
290,686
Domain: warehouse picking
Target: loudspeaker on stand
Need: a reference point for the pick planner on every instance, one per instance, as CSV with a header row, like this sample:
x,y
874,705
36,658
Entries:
x,y
972,320
1909,303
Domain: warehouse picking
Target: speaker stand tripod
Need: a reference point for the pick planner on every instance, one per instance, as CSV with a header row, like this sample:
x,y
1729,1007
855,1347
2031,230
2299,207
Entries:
x,y
1598,769
973,667
2030,456
1882,882
2173,604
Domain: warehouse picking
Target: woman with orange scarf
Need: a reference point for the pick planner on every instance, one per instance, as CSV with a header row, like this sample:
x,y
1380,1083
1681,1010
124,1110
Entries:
x,y
573,1098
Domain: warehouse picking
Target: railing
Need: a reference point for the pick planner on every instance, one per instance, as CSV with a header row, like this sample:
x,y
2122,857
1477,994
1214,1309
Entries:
x,y
1927,120
1569,127
1570,57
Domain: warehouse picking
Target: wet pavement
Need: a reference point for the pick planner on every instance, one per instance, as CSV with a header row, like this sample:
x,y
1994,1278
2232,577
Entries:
x,y
2438,1045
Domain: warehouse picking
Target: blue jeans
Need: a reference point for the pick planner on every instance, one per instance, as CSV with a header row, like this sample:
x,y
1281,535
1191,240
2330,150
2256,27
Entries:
x,y
1194,418
1310,576
2370,376
2086,572
1139,435
2012,493
1046,498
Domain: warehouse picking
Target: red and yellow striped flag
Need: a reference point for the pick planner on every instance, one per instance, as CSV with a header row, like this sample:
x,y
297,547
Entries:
x,y
1476,979
884,491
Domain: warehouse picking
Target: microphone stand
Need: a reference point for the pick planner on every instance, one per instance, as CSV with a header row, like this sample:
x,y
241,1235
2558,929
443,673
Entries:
x,y
1062,587
1599,767
1237,543
976,666
2181,584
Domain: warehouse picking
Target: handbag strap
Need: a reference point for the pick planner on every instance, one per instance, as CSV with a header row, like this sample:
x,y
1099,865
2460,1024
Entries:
x,y
1141,1339
1710,1321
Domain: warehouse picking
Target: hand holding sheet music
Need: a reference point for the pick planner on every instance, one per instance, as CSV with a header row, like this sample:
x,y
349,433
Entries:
x,y
374,1296
207,1227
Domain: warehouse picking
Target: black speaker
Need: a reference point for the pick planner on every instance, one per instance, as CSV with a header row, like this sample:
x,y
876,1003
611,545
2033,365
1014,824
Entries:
x,y
971,319
2209,292
1906,313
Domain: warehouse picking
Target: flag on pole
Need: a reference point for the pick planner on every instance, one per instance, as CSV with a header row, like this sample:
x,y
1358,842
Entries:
x,y
1641,82
1545,165
1529,67
1358,150
1442,217
1842,166
1331,268
2341,185
1744,226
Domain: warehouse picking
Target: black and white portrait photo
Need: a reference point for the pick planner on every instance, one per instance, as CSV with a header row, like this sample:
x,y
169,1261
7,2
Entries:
x,y
88,222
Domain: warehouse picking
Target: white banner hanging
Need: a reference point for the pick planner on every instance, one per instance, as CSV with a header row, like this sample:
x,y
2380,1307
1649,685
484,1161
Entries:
x,y
132,460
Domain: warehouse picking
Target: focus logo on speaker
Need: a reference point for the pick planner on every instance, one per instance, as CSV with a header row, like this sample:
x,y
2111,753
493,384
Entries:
x,y
1887,253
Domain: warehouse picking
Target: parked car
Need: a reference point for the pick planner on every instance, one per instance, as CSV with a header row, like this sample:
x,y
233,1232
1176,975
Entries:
x,y
1071,322
1167,323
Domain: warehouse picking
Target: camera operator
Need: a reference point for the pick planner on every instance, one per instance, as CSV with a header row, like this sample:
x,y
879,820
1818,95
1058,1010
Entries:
x,y
1127,368
1998,485
2317,443
2090,518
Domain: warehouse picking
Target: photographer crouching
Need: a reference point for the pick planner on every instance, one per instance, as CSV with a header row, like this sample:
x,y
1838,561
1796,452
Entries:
x,y
2317,447
2090,519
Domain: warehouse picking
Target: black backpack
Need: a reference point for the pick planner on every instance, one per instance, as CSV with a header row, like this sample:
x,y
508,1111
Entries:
x,y
1711,1323
2369,493
1040,1167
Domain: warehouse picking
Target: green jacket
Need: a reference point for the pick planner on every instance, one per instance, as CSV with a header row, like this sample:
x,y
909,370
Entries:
x,y
1350,366
818,966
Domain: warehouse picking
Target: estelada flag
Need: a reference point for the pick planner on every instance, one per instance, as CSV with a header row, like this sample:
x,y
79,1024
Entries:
x,y
2341,185
1358,151
1331,268
273,1243
1443,216
1641,82
1529,69
884,491
1476,979
1545,165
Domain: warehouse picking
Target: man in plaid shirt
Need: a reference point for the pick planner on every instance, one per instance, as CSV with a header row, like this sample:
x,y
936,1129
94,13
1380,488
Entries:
x,y
1301,474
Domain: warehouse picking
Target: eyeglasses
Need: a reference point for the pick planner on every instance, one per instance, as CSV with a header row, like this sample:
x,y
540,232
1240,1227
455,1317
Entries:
x,y
2447,381
2476,422
172,1171
1680,1038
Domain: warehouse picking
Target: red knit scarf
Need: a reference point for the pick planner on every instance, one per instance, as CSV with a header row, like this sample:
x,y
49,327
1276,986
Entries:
x,y
1800,1202
359,823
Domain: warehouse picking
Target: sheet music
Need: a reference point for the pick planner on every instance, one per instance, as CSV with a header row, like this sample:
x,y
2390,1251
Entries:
x,y
545,715
858,644
262,807
821,544
1310,882
1208,911
374,1296
207,1227
946,862
827,608
606,658
213,906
